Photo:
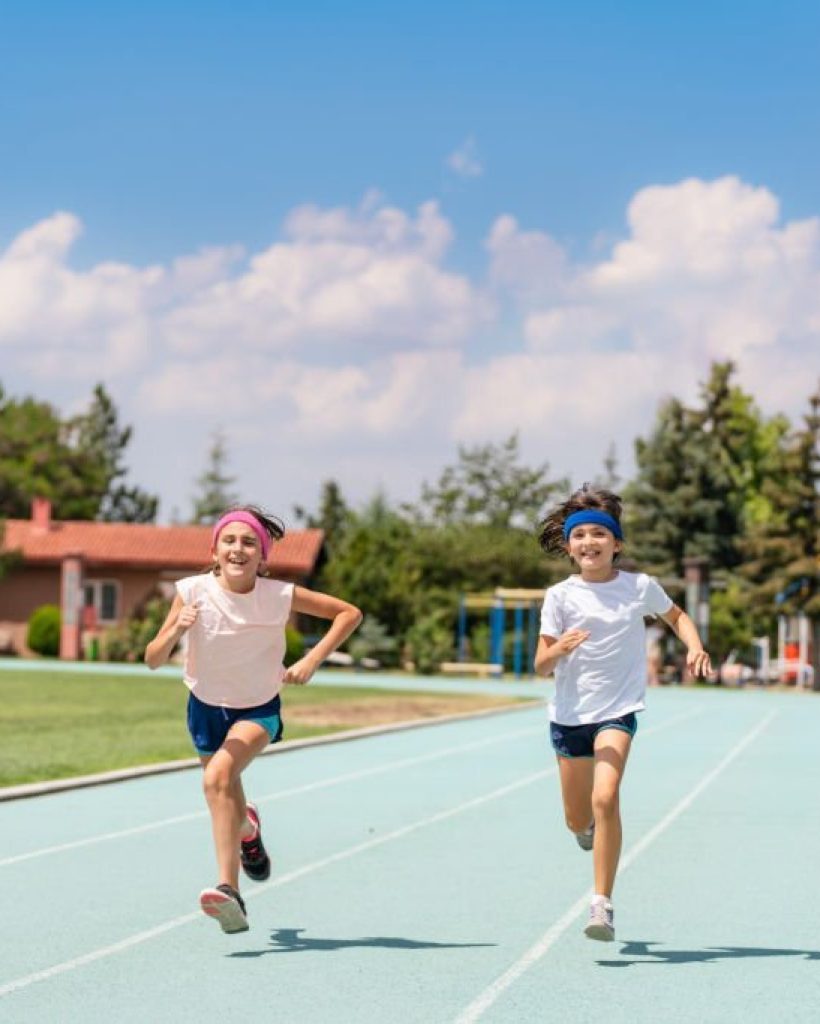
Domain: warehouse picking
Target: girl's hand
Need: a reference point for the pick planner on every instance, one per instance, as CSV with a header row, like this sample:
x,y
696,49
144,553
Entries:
x,y
187,617
567,642
300,672
698,662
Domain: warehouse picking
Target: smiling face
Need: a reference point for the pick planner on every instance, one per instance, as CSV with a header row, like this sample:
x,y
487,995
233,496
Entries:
x,y
593,547
238,554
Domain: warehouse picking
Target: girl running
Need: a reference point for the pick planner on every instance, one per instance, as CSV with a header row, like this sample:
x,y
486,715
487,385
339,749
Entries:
x,y
592,637
235,618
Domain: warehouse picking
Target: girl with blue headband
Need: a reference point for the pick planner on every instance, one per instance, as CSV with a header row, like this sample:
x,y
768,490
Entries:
x,y
235,618
593,639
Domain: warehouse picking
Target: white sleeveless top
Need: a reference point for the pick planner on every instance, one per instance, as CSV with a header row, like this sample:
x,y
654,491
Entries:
x,y
235,649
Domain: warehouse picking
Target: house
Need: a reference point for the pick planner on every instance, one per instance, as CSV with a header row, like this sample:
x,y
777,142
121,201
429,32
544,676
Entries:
x,y
99,573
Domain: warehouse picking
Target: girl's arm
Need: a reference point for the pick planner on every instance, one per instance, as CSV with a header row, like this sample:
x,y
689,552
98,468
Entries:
x,y
344,619
179,620
697,660
550,651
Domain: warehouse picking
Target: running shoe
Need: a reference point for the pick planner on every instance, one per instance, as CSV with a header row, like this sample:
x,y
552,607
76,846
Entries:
x,y
252,852
601,923
585,839
226,905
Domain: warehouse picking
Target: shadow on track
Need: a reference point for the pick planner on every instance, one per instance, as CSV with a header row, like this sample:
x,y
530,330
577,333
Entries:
x,y
698,956
291,940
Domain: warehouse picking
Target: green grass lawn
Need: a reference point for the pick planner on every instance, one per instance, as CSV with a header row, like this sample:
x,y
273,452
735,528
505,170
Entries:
x,y
58,725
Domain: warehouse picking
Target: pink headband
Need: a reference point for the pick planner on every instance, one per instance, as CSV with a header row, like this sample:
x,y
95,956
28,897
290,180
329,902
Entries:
x,y
249,520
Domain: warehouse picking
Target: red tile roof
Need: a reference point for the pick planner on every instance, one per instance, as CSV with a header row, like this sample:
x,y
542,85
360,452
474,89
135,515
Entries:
x,y
138,545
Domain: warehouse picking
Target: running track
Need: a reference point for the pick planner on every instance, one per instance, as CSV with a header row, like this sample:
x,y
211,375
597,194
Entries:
x,y
425,876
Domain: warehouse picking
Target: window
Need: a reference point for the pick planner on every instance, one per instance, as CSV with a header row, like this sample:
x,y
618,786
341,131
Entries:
x,y
104,597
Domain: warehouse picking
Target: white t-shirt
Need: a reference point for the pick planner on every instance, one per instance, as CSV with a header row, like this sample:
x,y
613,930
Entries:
x,y
235,649
605,676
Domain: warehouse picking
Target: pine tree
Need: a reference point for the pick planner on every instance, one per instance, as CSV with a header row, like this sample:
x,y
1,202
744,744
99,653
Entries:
x,y
698,474
97,434
782,546
333,516
215,494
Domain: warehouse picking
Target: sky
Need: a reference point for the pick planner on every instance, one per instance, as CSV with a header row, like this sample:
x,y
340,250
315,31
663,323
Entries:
x,y
351,238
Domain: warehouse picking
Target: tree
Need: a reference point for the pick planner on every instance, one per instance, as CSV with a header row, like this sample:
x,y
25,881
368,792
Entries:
x,y
782,546
487,486
215,494
698,474
333,516
99,436
73,463
8,559
610,478
373,566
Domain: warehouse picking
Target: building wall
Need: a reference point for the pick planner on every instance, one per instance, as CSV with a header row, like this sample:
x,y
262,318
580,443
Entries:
x,y
25,589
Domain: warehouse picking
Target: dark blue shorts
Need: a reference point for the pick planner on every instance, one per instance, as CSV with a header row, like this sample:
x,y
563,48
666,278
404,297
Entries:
x,y
209,725
579,740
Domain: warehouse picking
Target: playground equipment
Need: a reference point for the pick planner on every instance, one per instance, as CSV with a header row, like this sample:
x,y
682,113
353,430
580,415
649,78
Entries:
x,y
794,656
525,606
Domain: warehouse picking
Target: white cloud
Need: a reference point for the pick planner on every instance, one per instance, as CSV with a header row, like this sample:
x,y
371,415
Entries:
x,y
465,161
349,338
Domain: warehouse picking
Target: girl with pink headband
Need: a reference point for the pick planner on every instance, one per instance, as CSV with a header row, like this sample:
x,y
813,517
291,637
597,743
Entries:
x,y
234,617
593,639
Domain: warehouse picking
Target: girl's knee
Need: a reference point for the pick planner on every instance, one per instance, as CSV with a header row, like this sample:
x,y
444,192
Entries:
x,y
217,779
605,802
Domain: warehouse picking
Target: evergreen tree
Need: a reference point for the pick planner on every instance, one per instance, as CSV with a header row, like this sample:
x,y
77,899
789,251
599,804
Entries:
x,y
488,486
98,435
782,546
333,516
610,479
215,494
698,475
373,566
73,463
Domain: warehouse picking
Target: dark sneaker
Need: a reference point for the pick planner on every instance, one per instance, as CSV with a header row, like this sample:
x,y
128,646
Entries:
x,y
226,905
586,839
252,852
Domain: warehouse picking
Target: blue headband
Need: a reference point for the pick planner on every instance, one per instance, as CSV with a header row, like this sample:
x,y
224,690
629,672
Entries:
x,y
592,515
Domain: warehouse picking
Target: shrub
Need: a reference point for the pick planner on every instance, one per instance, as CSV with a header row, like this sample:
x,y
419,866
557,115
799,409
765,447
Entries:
x,y
294,645
43,636
429,641
128,641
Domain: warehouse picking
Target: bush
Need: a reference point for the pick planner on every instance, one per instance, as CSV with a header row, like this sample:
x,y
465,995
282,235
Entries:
x,y
371,640
128,641
43,636
294,645
429,641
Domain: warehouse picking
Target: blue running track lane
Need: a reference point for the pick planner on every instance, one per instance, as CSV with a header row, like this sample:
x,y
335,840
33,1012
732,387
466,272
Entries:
x,y
426,876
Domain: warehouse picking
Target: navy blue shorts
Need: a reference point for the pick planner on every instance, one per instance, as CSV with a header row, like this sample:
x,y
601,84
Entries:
x,y
579,740
209,725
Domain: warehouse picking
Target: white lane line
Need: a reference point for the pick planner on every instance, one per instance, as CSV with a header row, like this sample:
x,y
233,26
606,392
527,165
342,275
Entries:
x,y
334,858
336,780
485,1000
151,933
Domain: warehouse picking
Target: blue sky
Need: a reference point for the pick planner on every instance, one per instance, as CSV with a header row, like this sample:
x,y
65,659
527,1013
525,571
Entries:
x,y
165,131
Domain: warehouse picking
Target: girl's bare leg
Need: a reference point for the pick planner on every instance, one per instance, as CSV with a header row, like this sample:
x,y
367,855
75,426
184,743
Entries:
x,y
611,751
576,774
222,783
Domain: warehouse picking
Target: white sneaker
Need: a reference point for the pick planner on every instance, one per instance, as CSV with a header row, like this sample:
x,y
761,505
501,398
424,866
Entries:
x,y
601,923
586,838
